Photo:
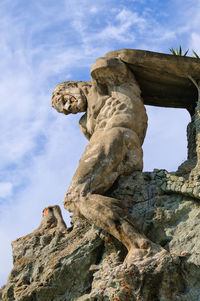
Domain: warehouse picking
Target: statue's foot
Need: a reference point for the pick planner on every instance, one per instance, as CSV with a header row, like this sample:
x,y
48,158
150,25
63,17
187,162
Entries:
x,y
147,254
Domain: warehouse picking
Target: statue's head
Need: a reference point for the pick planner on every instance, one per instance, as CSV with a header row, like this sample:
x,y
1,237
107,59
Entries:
x,y
70,97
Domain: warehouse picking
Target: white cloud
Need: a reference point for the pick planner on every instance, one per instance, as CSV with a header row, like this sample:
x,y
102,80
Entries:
x,y
5,189
42,45
195,42
117,27
128,18
93,10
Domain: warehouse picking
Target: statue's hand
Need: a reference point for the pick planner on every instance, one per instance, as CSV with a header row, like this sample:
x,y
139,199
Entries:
x,y
68,98
71,199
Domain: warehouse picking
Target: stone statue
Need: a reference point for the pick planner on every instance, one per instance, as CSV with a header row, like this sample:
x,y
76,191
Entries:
x,y
83,262
115,124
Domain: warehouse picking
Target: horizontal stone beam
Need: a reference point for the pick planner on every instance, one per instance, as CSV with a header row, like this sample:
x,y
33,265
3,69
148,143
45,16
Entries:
x,y
163,78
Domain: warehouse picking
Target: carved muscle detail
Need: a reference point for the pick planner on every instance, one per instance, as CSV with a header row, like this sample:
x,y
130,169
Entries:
x,y
115,124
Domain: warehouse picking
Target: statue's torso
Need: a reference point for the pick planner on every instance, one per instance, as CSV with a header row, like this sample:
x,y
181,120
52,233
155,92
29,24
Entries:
x,y
116,110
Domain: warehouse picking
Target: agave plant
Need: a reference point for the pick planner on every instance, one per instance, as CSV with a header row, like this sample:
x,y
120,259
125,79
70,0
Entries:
x,y
178,51
195,54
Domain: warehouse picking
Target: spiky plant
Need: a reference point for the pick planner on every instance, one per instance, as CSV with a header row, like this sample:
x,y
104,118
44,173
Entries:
x,y
195,54
178,51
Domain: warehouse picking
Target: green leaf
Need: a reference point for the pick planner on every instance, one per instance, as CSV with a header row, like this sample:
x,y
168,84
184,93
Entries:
x,y
195,54
180,51
186,52
173,51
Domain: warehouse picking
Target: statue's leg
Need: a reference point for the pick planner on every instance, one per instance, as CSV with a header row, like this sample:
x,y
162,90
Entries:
x,y
106,157
109,154
112,216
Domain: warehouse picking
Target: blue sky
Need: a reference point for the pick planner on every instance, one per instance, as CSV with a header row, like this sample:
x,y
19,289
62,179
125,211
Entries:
x,y
44,42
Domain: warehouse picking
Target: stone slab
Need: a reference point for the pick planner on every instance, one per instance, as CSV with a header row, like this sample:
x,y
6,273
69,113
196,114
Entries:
x,y
163,78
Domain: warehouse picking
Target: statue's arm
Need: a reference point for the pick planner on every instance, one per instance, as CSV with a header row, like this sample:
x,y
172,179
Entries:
x,y
82,125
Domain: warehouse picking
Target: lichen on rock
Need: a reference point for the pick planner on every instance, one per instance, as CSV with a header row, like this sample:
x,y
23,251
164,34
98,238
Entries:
x,y
85,263
134,234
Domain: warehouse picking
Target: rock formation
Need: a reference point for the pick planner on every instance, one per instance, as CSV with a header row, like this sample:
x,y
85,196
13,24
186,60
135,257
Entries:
x,y
134,235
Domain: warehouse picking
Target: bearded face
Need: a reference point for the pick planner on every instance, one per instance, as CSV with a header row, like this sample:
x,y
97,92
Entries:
x,y
68,98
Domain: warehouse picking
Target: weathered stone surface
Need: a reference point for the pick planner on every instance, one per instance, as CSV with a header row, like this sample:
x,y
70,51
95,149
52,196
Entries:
x,y
53,263
115,124
1,289
85,263
154,216
163,78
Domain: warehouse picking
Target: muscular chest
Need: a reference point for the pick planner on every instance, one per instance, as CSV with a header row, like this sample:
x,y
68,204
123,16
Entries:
x,y
113,108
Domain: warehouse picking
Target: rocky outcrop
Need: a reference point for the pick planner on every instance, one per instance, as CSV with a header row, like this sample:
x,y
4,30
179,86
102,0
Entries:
x,y
53,262
1,289
85,263
145,245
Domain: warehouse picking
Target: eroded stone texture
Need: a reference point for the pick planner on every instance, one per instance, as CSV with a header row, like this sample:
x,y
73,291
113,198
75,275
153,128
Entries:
x,y
53,263
187,166
115,124
163,78
1,289
85,263
154,215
